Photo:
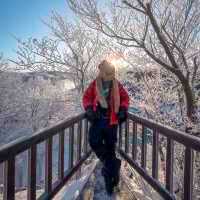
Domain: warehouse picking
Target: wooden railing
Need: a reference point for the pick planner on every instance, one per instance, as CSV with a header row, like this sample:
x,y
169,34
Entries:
x,y
129,151
9,152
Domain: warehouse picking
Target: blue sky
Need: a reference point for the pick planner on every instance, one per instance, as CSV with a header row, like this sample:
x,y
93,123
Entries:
x,y
22,18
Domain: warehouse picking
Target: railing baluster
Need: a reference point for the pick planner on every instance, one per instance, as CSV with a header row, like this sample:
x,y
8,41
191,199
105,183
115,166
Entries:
x,y
155,154
120,135
169,165
32,153
79,146
9,179
144,149
127,136
188,174
134,141
48,165
79,139
86,136
61,155
71,146
89,147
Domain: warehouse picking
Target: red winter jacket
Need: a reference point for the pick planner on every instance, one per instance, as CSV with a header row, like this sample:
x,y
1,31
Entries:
x,y
89,99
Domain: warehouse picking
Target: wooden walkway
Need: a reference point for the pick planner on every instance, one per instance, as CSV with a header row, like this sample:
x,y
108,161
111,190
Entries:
x,y
95,188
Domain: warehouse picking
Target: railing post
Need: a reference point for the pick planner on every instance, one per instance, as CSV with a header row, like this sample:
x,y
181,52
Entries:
x,y
134,141
79,140
32,159
9,179
71,146
48,165
169,165
144,149
86,136
79,147
88,145
127,136
120,136
61,155
188,174
155,154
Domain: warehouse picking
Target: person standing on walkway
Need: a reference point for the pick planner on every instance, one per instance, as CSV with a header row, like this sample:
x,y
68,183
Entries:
x,y
106,103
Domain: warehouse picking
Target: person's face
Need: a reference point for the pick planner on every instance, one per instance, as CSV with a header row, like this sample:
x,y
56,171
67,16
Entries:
x,y
108,72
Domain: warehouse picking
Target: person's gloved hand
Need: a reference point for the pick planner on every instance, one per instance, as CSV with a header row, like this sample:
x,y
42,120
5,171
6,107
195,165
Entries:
x,y
91,115
122,114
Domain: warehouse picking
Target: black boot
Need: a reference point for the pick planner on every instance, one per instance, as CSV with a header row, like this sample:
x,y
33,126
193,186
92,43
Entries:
x,y
116,176
108,181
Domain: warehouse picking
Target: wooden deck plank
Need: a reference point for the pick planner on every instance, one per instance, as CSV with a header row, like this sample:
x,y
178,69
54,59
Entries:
x,y
95,188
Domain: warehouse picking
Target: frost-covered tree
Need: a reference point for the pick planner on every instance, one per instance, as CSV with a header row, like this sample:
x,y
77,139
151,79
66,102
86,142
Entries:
x,y
3,63
165,31
73,49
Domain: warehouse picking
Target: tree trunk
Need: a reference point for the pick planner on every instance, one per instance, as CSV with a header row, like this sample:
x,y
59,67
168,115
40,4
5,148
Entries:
x,y
189,96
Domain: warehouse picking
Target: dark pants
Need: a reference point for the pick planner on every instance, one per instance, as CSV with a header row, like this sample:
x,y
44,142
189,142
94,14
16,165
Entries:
x,y
102,139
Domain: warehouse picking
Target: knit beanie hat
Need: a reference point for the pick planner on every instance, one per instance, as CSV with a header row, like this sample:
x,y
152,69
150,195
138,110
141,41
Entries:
x,y
106,70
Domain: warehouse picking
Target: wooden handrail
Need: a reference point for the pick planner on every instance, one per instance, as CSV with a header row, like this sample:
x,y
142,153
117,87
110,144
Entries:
x,y
9,152
179,136
17,146
191,143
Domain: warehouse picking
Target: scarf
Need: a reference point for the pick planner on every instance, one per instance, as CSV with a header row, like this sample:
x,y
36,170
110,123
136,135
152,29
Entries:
x,y
115,98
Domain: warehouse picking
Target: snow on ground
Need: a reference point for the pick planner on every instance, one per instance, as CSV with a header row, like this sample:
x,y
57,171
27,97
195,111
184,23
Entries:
x,y
136,184
22,195
95,188
72,190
